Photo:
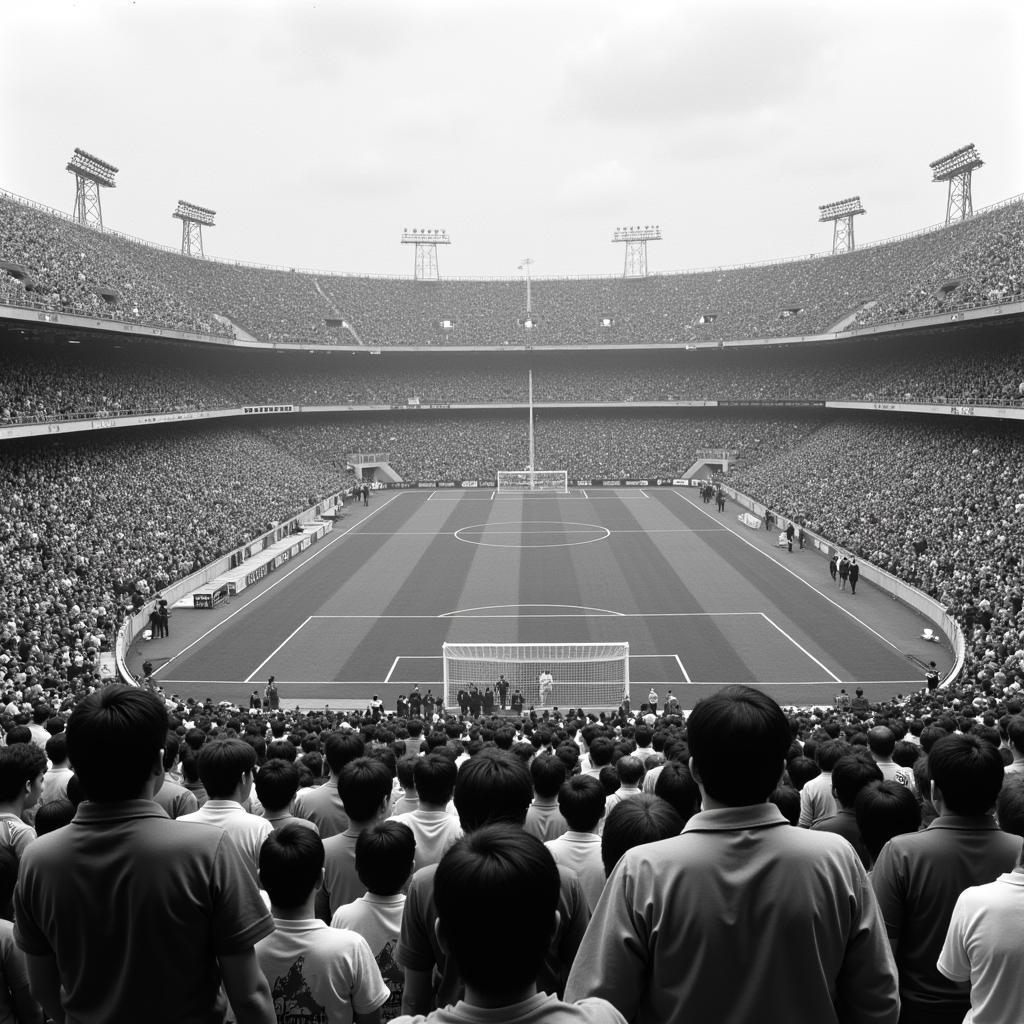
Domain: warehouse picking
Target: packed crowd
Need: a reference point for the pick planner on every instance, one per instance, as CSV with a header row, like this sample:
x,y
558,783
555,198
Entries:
x,y
332,866
49,379
936,504
63,266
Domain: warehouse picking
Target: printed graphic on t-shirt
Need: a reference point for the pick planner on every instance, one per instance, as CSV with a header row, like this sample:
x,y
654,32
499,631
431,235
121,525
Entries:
x,y
293,1000
394,978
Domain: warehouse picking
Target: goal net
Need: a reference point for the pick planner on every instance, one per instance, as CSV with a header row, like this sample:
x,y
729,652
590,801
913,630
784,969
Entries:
x,y
517,481
547,675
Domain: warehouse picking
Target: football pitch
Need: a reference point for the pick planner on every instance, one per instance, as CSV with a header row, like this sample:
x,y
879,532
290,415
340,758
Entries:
x,y
702,601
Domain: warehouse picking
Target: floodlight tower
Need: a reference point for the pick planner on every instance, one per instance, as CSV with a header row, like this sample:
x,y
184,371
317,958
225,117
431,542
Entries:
x,y
192,219
956,168
91,174
635,240
525,264
426,241
841,213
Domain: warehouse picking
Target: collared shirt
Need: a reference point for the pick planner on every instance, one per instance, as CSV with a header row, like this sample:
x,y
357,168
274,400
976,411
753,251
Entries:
x,y
247,831
544,820
581,852
676,918
816,800
918,878
146,892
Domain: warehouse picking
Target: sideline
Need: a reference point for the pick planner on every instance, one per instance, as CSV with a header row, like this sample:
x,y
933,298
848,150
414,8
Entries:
x,y
750,544
320,548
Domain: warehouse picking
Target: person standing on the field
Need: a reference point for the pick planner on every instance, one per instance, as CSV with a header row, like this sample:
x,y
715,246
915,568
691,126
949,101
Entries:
x,y
502,688
833,566
546,684
844,572
366,494
652,700
854,574
790,532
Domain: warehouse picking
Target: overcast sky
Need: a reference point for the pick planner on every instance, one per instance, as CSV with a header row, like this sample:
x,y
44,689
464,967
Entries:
x,y
317,131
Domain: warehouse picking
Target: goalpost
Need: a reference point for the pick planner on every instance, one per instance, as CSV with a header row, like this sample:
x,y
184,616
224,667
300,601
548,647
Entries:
x,y
582,675
510,480
531,478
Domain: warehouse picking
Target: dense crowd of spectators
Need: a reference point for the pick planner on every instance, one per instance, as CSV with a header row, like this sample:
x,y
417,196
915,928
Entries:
x,y
937,503
64,266
48,379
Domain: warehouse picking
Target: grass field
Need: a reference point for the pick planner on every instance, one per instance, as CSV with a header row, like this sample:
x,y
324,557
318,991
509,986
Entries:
x,y
702,601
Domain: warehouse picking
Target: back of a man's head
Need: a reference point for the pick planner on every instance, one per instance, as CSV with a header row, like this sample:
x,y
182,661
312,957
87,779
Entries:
x,y
57,748
384,857
828,752
581,801
1010,804
481,870
881,741
434,777
363,785
277,784
1015,733
291,862
342,747
493,786
738,739
967,772
601,751
630,770
852,772
884,810
20,763
548,772
114,738
635,822
676,784
222,764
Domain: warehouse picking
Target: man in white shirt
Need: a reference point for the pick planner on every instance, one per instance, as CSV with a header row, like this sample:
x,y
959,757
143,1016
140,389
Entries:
x,y
1015,741
434,828
581,802
225,769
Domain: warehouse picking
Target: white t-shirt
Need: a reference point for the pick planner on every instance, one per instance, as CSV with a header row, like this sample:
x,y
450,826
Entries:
x,y
378,919
983,945
320,973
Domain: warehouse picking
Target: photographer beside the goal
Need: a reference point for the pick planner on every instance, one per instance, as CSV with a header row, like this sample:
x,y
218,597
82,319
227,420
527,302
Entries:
x,y
546,683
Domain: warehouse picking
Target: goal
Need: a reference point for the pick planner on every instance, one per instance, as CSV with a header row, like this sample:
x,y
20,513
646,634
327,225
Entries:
x,y
583,675
510,480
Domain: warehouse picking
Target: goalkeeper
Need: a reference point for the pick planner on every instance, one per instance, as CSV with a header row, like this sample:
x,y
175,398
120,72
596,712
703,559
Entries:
x,y
546,684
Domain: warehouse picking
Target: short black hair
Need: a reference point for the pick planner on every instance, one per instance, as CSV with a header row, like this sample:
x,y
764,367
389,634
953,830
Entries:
x,y
548,772
738,738
53,815
291,860
801,770
676,784
852,772
222,763
885,809
385,852
828,752
363,785
968,773
57,748
493,786
19,764
277,782
787,799
434,776
1010,804
342,747
641,819
115,735
581,801
481,870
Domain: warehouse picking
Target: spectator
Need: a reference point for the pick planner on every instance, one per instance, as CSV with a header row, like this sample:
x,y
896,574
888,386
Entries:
x,y
885,810
91,954
738,740
434,829
330,972
581,805
918,877
850,774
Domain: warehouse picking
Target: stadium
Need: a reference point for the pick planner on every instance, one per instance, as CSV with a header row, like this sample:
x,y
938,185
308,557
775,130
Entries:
x,y
656,613
238,398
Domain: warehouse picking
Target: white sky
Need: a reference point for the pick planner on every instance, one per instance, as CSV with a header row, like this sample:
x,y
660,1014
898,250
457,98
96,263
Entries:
x,y
317,131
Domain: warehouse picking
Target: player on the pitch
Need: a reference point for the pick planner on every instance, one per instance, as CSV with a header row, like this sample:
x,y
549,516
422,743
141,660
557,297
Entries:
x,y
546,683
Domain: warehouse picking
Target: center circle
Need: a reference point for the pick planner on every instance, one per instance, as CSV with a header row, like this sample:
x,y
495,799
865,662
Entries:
x,y
533,534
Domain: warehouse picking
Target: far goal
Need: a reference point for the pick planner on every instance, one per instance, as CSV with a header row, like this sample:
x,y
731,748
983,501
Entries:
x,y
512,481
581,675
